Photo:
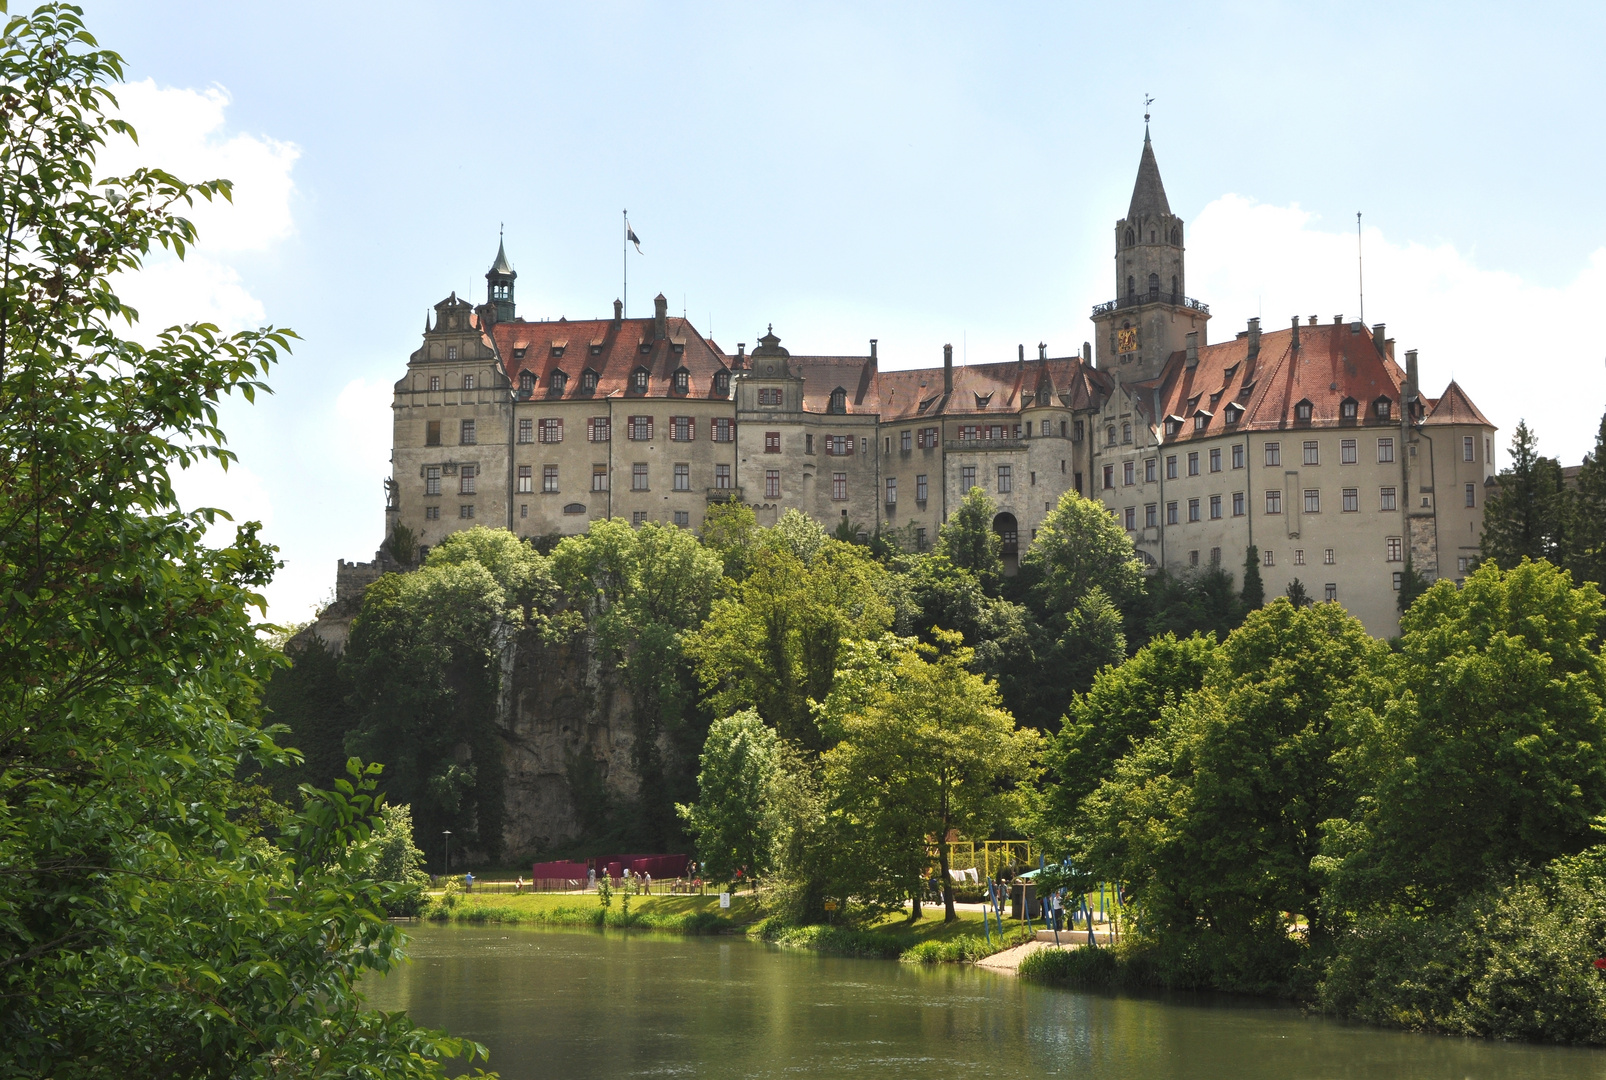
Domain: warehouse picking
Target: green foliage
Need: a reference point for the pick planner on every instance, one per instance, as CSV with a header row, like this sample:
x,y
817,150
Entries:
x,y
1094,638
967,538
390,856
1254,591
1587,558
730,531
1080,546
1479,745
402,544
1203,601
1526,516
1412,585
308,696
729,819
808,863
147,926
1297,594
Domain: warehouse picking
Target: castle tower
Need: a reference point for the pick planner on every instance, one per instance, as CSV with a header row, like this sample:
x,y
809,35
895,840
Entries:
x,y
1151,314
499,285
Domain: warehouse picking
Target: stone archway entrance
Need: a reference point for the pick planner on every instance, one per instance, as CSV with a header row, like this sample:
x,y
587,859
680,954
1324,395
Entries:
x,y
1009,541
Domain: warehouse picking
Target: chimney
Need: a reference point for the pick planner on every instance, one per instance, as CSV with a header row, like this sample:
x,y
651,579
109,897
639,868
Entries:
x,y
1193,345
1338,320
660,317
1410,377
1295,345
1042,350
1087,352
947,369
741,355
872,350
1313,320
1377,339
1020,355
1254,341
618,314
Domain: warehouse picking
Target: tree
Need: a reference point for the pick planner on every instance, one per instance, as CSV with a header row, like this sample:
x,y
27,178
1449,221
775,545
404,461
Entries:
x,y
1412,585
308,696
148,926
1525,516
730,820
1182,604
1297,595
1079,545
1212,821
1479,744
923,749
968,541
730,531
1094,639
1587,559
1254,592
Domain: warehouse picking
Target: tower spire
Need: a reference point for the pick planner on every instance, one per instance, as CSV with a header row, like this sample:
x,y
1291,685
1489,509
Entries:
x,y
1148,193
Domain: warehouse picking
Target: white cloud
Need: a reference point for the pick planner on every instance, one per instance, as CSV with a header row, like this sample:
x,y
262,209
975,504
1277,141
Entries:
x,y
1521,350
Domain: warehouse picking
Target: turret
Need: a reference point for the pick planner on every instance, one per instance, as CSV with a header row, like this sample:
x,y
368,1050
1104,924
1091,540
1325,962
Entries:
x,y
499,285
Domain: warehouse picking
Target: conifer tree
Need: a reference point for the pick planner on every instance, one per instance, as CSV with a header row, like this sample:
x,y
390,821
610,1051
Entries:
x,y
1587,539
1526,517
1254,590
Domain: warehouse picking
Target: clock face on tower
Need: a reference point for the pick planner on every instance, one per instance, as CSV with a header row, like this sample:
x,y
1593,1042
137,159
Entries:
x,y
1126,339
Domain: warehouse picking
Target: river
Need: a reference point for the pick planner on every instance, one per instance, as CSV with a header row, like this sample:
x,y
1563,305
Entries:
x,y
578,1005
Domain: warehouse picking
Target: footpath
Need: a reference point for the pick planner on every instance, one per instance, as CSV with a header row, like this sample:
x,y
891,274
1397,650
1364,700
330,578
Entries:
x,y
1008,961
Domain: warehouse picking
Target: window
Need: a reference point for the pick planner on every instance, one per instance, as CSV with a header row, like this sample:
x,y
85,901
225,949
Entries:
x,y
638,477
1170,513
1149,470
1237,504
722,431
1394,549
1299,556
1126,433
1151,516
432,433
1330,593
465,433
549,479
432,513
772,442
468,382
682,382
1399,580
839,401
1346,452
1346,410
1268,558
1201,420
588,378
1215,508
906,441
967,477
920,488
1128,472
1466,450
1488,452
1171,467
682,477
1330,557
466,475
682,429
722,384
1386,498
638,380
1462,563
466,512
1352,500
928,438
769,396
1131,518
526,431
1472,495
839,486
432,479
1385,450
1109,435
451,352
1215,459
639,428
1302,411
1193,463
772,483
838,445
1006,477
1274,453
1109,477
1383,408
1215,556
1274,502
1237,455
552,430
638,518
524,480
722,477
1193,510
808,443
434,382
1313,454
1313,501
599,478
1193,557
892,491
556,382
1046,431
683,519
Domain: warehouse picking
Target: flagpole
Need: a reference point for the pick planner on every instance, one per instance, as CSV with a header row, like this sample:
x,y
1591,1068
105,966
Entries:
x,y
624,259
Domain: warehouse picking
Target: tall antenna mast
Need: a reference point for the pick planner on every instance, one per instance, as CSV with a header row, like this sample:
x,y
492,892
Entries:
x,y
1360,266
624,260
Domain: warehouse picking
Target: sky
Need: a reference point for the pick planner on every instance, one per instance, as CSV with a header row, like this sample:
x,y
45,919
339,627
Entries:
x,y
917,173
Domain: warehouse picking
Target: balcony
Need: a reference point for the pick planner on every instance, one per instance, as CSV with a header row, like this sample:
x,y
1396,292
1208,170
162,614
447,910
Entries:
x,y
975,446
719,494
1176,299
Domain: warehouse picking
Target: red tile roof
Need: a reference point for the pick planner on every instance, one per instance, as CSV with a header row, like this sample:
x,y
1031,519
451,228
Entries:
x,y
1454,407
528,346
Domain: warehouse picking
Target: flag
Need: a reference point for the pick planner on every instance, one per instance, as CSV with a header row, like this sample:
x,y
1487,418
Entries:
x,y
630,234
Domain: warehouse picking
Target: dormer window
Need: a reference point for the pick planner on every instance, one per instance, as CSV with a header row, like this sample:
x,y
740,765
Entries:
x,y
1348,408
1302,411
526,382
557,351
839,401
1201,420
1173,425
596,349
982,400
678,347
646,346
682,380
722,383
588,380
518,354
1383,407
556,382
638,380
1234,411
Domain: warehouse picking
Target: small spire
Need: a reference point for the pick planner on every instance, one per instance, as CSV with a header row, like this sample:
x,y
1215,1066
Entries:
x,y
1148,194
501,266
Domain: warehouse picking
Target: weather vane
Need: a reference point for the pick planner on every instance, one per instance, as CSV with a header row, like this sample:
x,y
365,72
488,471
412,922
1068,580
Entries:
x,y
1147,101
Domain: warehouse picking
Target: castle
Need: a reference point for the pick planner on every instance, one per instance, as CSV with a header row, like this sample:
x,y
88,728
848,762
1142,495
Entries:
x,y
1309,442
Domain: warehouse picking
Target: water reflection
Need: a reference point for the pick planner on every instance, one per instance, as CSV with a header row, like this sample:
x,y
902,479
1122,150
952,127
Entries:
x,y
581,1005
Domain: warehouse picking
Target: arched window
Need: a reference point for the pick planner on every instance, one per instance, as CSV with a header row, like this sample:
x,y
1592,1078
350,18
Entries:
x,y
1109,435
1151,236
1176,236
1173,286
839,400
1131,238
1131,286
1126,432
1154,284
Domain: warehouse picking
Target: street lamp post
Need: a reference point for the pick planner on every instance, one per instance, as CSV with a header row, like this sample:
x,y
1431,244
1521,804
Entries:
x,y
448,834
